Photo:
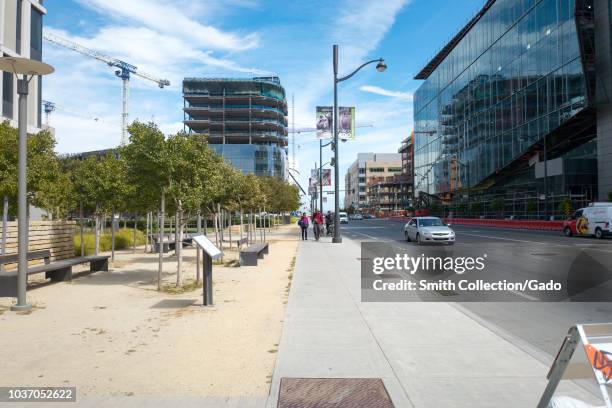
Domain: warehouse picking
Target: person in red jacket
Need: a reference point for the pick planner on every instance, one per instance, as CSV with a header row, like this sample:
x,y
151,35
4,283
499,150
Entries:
x,y
317,222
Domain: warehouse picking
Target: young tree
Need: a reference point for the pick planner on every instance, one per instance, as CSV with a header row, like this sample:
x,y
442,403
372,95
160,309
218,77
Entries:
x,y
100,185
42,172
148,171
190,162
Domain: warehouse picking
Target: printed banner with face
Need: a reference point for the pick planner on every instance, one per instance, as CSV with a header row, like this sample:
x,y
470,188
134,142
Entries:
x,y
325,122
346,123
326,175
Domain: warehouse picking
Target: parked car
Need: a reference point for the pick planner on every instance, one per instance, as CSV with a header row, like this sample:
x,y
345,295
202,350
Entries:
x,y
595,220
343,218
369,217
357,217
428,230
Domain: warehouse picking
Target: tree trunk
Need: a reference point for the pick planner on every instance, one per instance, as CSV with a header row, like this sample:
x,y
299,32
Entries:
x,y
199,227
135,223
4,225
241,229
251,235
113,235
176,233
147,232
97,234
81,228
179,247
160,264
216,225
230,229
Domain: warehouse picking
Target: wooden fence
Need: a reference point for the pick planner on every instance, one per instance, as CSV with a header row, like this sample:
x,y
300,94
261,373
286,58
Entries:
x,y
56,236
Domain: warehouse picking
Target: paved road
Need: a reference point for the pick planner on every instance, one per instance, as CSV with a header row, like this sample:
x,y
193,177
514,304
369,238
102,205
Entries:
x,y
536,326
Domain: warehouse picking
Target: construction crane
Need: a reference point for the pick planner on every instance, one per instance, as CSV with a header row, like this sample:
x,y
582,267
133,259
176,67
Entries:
x,y
50,107
312,130
124,71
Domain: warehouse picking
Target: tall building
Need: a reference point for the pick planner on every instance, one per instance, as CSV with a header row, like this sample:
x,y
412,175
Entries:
x,y
21,36
516,108
245,120
368,168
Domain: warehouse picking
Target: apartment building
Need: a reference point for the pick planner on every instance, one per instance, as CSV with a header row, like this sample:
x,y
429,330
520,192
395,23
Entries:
x,y
367,169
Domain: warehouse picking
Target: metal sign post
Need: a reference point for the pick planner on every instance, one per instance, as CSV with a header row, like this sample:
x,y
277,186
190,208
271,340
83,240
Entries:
x,y
207,290
209,252
591,361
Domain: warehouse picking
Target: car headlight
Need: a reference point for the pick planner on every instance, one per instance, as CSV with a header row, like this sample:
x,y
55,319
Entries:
x,y
452,233
427,233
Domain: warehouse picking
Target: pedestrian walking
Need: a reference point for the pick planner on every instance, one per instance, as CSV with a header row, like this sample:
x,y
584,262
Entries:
x,y
328,222
303,223
317,223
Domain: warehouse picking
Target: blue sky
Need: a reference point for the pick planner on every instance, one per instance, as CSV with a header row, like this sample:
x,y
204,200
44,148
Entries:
x,y
242,38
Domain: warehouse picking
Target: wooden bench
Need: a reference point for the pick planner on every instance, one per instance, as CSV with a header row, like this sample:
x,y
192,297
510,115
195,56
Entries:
x,y
57,271
250,255
168,243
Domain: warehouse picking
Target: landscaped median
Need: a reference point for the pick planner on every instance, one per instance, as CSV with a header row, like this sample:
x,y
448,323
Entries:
x,y
113,334
517,224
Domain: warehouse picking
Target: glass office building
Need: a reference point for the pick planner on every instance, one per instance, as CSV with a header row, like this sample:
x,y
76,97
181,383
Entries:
x,y
506,113
245,120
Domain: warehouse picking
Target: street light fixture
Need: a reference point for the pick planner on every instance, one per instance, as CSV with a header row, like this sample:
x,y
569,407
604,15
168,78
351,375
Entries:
x,y
28,69
380,67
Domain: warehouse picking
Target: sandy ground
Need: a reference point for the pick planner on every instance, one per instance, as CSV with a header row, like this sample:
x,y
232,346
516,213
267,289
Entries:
x,y
112,333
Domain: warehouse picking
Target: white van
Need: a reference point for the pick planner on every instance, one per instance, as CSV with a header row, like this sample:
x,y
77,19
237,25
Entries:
x,y
343,217
594,220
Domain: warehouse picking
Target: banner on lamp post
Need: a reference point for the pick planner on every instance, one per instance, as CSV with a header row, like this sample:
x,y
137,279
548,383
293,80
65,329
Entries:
x,y
346,123
325,177
325,120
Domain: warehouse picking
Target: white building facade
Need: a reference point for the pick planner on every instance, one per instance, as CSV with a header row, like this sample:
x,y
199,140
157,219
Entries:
x,y
21,36
367,167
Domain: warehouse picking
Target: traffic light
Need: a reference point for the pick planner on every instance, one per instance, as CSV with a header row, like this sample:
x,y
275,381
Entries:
x,y
333,162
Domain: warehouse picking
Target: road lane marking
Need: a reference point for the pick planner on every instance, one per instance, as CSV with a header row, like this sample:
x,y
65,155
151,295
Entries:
x,y
552,244
504,239
524,295
372,237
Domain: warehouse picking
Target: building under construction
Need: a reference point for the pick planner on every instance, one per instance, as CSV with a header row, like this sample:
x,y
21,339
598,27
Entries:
x,y
245,120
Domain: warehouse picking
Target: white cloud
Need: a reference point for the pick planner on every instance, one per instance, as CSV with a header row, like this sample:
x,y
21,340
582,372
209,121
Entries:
x,y
386,92
162,17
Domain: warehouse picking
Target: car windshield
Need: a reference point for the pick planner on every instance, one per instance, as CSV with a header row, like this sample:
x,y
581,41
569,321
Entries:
x,y
430,222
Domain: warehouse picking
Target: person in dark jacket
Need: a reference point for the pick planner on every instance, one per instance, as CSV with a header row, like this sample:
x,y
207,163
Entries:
x,y
303,223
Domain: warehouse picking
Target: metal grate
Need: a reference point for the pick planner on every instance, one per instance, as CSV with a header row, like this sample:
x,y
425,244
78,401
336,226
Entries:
x,y
333,393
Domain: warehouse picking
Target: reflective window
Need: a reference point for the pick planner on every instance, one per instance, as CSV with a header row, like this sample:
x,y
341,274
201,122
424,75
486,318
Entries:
x,y
513,78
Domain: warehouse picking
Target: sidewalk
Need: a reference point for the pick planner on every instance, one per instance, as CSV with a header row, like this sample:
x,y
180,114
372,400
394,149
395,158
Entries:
x,y
428,354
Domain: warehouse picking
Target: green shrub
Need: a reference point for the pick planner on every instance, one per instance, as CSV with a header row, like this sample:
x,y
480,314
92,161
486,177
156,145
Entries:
x,y
124,239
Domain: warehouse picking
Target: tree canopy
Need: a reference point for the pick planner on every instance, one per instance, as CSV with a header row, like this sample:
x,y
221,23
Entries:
x,y
132,177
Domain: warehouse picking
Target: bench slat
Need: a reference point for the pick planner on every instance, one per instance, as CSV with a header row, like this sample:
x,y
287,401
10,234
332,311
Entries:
x,y
13,258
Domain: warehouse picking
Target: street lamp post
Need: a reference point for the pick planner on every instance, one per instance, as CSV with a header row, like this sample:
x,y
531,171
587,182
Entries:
x,y
380,67
28,69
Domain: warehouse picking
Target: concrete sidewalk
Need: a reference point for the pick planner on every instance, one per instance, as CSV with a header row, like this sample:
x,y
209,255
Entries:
x,y
428,354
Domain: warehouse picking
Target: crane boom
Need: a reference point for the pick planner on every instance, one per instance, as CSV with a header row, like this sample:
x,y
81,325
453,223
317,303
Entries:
x,y
113,62
124,71
50,107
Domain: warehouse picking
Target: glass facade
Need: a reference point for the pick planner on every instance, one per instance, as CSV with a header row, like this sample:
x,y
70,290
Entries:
x,y
257,159
513,78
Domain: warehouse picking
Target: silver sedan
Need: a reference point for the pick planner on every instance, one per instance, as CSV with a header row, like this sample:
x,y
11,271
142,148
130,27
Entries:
x,y
428,230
